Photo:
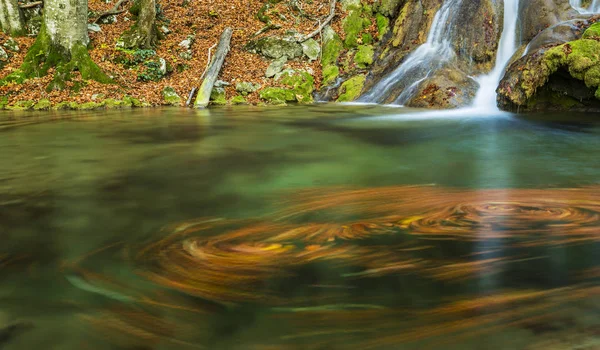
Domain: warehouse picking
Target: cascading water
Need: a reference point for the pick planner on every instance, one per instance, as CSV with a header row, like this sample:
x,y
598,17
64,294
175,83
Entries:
x,y
426,59
486,95
594,7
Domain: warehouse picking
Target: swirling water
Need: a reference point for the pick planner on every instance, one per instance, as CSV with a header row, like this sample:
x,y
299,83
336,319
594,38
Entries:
x,y
313,227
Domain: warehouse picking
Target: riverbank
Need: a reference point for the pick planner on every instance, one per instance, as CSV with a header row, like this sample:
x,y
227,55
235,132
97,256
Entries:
x,y
167,74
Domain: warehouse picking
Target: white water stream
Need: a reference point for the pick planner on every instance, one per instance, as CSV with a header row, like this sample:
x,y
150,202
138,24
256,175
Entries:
x,y
594,7
485,100
426,59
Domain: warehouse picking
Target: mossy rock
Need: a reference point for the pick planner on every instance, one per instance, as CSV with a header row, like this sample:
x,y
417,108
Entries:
x,y
353,25
593,32
383,25
277,96
389,8
171,97
364,56
238,100
302,84
273,47
332,47
22,105
42,105
217,96
132,101
351,88
330,74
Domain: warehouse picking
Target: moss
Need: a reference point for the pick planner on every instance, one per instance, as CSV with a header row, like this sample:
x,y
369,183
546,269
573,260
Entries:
x,y
383,25
111,103
593,32
132,101
332,48
302,85
22,106
217,96
3,102
275,95
42,105
330,74
43,55
238,100
367,39
351,88
88,106
171,97
353,24
364,56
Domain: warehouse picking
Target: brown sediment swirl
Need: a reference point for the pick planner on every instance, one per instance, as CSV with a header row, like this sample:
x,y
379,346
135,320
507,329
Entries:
x,y
231,261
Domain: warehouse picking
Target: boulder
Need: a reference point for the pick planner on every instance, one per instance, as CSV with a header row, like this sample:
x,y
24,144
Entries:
x,y
273,47
276,66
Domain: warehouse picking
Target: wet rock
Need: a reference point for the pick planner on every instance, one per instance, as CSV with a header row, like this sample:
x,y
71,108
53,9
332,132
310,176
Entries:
x,y
559,78
246,88
557,34
330,74
276,66
446,89
537,15
311,49
273,47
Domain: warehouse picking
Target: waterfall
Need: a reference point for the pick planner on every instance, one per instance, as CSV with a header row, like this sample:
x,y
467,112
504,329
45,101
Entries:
x,y
426,59
486,95
594,7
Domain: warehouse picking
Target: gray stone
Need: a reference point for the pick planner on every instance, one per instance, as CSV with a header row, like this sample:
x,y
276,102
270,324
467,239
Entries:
x,y
350,4
276,66
273,47
12,45
165,30
3,55
246,88
93,27
311,49
188,42
163,66
220,84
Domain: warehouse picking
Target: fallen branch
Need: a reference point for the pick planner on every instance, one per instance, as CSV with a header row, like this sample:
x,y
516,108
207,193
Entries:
x,y
326,22
208,61
215,68
114,11
31,4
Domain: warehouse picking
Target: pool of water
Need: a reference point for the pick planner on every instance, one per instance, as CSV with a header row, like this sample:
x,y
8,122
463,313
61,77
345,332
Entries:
x,y
313,227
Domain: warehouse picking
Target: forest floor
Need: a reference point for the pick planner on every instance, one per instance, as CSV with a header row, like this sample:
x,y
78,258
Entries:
x,y
204,19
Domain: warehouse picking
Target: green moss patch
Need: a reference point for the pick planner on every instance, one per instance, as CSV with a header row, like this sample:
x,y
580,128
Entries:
x,y
351,88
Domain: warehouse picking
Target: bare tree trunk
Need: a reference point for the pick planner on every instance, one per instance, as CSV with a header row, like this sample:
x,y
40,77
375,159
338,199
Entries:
x,y
11,19
143,34
61,43
214,69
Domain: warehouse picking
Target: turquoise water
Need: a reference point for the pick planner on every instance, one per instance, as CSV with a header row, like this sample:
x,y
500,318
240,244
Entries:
x,y
177,229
